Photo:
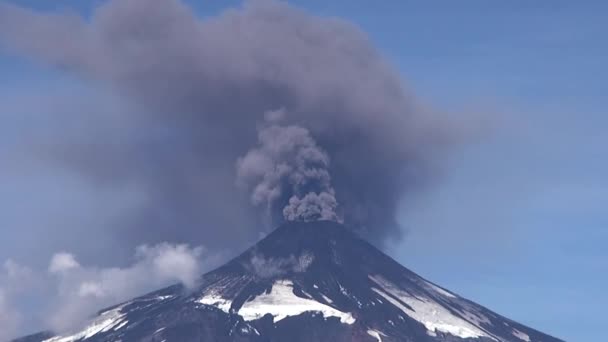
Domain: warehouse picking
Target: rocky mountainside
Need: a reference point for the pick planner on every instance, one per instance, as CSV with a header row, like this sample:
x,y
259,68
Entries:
x,y
308,282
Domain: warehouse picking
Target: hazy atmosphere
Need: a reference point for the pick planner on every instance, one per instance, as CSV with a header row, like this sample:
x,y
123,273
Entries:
x,y
144,142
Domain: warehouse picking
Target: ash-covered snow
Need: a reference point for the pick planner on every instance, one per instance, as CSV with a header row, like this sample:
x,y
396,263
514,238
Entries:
x,y
434,316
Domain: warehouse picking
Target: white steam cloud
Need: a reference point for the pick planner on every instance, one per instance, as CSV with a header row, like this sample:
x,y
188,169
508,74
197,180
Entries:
x,y
263,267
62,262
83,290
14,280
72,291
9,318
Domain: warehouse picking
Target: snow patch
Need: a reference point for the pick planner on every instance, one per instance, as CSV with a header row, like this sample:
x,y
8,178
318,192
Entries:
x,y
426,311
376,334
247,329
440,290
475,317
122,324
216,300
343,290
520,335
281,302
106,321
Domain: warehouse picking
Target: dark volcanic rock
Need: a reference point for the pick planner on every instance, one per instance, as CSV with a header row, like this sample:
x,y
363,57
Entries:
x,y
304,282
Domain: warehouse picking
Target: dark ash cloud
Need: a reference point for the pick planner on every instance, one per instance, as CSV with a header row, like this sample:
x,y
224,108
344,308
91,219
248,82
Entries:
x,y
197,92
287,162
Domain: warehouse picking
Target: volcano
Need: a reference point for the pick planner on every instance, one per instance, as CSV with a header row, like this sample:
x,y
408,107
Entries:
x,y
306,281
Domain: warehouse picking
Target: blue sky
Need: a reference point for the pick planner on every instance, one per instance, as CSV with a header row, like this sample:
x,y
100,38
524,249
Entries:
x,y
518,222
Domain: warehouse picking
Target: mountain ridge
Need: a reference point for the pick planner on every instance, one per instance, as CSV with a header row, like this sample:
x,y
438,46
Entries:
x,y
305,281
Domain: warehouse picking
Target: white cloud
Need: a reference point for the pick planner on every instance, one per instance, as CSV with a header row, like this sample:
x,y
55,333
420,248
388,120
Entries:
x,y
9,317
15,280
14,271
84,289
89,288
62,262
175,262
72,292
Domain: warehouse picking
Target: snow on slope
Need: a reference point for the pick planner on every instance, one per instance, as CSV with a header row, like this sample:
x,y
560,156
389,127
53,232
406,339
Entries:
x,y
388,303
376,334
112,319
434,316
216,300
440,290
281,302
520,335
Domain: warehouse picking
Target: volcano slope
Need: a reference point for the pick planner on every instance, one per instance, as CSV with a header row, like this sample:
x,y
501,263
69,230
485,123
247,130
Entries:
x,y
309,282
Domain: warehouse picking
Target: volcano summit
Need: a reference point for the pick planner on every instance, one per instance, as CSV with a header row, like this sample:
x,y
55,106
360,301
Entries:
x,y
313,281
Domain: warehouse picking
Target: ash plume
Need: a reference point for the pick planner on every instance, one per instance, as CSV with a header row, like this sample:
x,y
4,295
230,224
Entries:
x,y
288,163
193,96
312,207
